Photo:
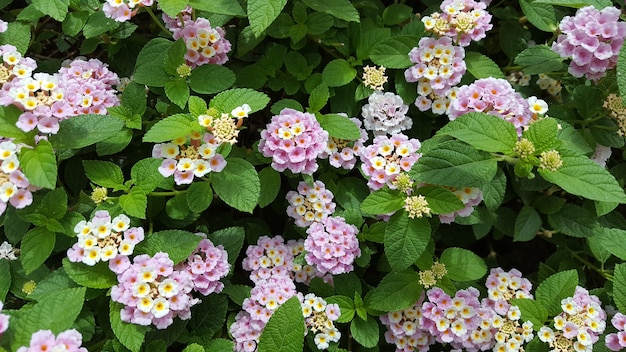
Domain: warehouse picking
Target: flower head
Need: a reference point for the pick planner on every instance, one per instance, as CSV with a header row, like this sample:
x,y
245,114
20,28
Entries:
x,y
310,204
374,77
332,245
385,113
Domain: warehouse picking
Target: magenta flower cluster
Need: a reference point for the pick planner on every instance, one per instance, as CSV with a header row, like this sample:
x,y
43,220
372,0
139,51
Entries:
x,y
462,20
205,44
44,340
592,39
4,320
104,239
152,291
385,113
270,262
386,157
187,158
294,140
332,245
310,204
615,341
206,265
470,196
14,186
493,96
81,87
123,10
439,66
343,153
580,324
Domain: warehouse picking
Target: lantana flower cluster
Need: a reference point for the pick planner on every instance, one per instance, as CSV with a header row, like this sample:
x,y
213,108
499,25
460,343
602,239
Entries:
x,y
615,341
270,262
14,186
579,326
310,204
44,340
386,158
405,331
104,239
493,96
332,245
502,286
462,20
470,196
319,318
385,113
205,44
294,140
303,272
151,291
593,39
439,66
206,265
8,252
14,66
189,157
343,153
123,10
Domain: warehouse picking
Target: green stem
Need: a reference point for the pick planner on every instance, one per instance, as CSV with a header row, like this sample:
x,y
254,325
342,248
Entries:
x,y
605,274
157,21
166,193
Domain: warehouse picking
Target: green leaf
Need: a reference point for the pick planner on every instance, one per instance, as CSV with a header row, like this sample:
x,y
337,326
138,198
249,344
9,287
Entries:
x,y
440,200
134,203
527,223
231,238
74,23
588,101
342,9
172,7
396,291
262,13
223,7
483,132
194,347
8,129
531,310
37,245
494,191
130,335
115,143
228,100
318,98
238,185
270,186
104,173
98,23
318,23
85,130
462,264
178,244
39,165
97,276
170,128
365,332
284,331
612,240
481,66
56,9
17,34
539,59
598,4
219,345
346,306
543,135
56,311
541,16
199,196
574,221
211,79
455,164
405,240
396,13
621,73
174,57
619,287
383,201
581,176
339,126
338,73
572,139
197,106
393,52
150,66
54,204
145,175
177,91
552,290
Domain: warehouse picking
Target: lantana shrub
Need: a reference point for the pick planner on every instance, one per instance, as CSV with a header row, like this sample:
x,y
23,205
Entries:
x,y
312,175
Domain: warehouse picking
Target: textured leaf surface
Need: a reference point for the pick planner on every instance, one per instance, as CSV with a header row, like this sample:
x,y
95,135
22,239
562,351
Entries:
x,y
238,185
483,132
393,52
462,264
396,291
178,244
552,290
405,240
284,331
481,66
262,13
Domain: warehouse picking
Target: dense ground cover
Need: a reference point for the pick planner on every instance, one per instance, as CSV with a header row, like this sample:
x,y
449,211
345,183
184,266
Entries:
x,y
291,175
